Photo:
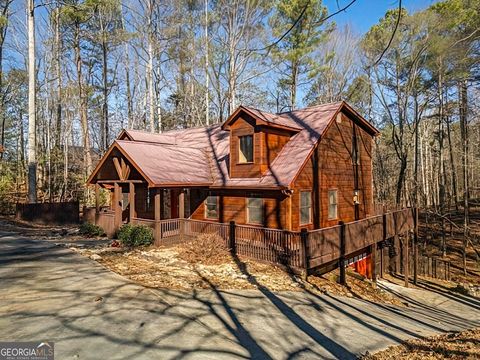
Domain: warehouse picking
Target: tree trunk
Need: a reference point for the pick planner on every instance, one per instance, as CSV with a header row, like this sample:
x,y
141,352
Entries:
x,y
58,119
293,86
87,158
149,69
105,137
32,136
401,180
463,109
442,193
452,165
3,34
207,98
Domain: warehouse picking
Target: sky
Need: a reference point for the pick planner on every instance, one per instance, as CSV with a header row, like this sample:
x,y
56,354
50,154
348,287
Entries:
x,y
362,14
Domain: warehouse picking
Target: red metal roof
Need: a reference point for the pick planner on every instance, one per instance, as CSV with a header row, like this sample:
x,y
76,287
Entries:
x,y
200,156
168,164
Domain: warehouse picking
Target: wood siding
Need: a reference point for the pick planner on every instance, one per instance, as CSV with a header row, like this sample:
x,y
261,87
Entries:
x,y
245,125
232,206
337,171
272,142
267,143
330,167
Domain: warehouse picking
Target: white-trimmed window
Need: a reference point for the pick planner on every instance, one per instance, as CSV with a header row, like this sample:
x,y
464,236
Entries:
x,y
255,210
211,207
245,149
332,204
305,207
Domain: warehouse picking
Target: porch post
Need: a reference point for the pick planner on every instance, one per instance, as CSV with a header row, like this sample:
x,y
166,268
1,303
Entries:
x,y
117,193
289,213
131,200
181,204
97,198
157,205
158,217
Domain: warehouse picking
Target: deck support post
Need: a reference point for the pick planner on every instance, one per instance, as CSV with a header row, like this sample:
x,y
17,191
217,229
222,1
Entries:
x,y
405,259
158,217
341,260
384,243
303,249
415,246
382,262
131,200
117,206
373,262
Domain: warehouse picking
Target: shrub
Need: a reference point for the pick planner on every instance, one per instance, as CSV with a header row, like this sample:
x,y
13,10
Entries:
x,y
124,235
207,249
89,229
135,235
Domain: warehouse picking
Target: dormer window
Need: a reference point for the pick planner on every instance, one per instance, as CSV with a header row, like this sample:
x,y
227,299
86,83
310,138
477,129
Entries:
x,y
245,153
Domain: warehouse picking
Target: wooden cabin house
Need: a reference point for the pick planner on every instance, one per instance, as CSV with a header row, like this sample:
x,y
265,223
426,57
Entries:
x,y
308,168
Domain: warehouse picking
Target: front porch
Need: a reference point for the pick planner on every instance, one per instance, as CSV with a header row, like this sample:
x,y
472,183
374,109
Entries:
x,y
133,201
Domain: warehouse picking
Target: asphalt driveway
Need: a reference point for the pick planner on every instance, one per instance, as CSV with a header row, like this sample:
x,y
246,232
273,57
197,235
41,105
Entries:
x,y
51,293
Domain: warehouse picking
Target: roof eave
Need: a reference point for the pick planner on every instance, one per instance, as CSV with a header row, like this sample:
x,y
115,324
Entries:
x,y
115,144
373,130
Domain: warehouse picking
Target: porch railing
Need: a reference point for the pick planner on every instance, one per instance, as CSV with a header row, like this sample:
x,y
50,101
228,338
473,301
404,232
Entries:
x,y
298,250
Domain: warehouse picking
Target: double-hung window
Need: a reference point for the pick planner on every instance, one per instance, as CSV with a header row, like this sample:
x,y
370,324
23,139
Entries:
x,y
332,205
255,210
245,150
305,207
211,207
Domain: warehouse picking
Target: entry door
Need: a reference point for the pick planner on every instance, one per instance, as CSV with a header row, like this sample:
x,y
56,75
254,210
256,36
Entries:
x,y
174,203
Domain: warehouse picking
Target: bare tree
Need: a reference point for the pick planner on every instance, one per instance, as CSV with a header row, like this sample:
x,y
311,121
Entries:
x,y
32,128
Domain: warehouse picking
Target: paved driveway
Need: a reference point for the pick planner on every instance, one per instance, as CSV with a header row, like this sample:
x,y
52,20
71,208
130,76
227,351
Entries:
x,y
52,293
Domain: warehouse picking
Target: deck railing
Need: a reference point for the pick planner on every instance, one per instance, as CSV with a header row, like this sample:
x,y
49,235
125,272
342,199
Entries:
x,y
298,250
106,220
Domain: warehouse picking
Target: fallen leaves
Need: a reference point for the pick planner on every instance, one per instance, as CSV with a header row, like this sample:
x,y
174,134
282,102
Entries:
x,y
205,265
460,345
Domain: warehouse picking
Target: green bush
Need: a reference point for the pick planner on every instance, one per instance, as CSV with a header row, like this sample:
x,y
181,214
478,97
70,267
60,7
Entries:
x,y
124,234
135,235
89,229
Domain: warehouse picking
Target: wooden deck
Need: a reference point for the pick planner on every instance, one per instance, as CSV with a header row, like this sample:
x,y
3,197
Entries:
x,y
299,250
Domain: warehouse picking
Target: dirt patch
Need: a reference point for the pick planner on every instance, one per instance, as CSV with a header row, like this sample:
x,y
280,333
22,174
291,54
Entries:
x,y
460,345
206,249
182,268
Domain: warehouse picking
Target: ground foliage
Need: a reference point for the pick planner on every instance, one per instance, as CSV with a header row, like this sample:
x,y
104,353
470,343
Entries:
x,y
460,345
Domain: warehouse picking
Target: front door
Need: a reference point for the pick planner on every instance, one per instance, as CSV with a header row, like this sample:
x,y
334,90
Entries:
x,y
174,203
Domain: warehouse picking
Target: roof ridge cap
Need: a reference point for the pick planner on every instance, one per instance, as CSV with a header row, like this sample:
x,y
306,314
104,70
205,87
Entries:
x,y
162,144
311,107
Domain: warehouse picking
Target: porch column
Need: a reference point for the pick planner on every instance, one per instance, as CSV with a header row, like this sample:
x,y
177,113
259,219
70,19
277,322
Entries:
x,y
158,217
97,198
117,208
157,205
131,200
289,213
181,204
